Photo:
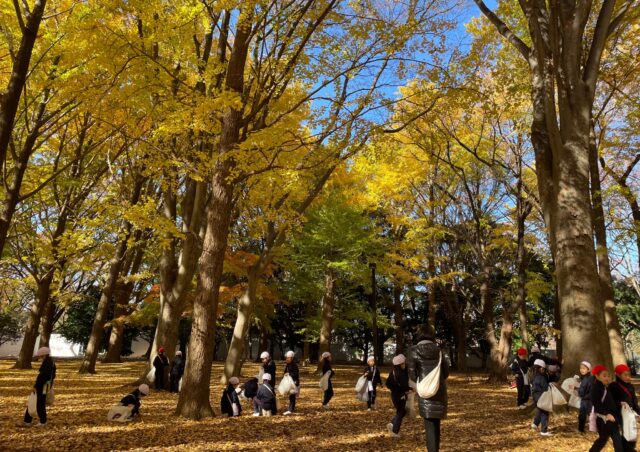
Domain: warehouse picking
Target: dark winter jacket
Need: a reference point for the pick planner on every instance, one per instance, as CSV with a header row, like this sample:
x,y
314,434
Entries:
x,y
229,397
177,366
603,402
373,375
46,375
422,359
293,371
270,368
624,392
398,381
267,398
585,388
539,385
132,399
160,361
251,388
326,367
520,367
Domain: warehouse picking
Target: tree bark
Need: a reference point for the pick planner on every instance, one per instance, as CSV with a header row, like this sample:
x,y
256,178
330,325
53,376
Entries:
x,y
398,318
46,324
604,266
328,305
456,317
498,370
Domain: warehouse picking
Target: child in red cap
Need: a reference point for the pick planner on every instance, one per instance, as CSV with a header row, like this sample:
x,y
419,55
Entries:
x,y
623,392
520,369
606,412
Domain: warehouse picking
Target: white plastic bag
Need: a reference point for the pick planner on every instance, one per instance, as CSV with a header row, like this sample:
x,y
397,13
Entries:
x,y
545,402
32,403
51,397
286,385
151,376
324,381
629,426
570,384
429,385
361,383
119,413
180,385
574,400
235,409
558,398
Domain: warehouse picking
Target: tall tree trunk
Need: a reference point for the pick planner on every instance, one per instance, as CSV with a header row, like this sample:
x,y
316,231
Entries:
x,y
398,317
31,330
328,305
456,317
10,98
46,324
497,371
604,266
431,287
523,209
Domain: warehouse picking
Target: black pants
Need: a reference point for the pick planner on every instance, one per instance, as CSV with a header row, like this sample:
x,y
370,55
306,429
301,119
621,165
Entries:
x,y
174,383
41,405
583,416
524,391
292,402
432,433
628,446
607,430
372,398
328,394
159,378
400,404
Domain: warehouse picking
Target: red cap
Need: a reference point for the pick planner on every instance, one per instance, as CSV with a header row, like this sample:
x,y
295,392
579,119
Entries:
x,y
622,368
161,350
522,351
597,369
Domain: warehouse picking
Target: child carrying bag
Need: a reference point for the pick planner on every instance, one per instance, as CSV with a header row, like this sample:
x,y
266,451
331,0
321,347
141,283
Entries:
x,y
593,425
429,385
361,389
286,385
545,402
119,413
556,395
324,381
629,426
32,403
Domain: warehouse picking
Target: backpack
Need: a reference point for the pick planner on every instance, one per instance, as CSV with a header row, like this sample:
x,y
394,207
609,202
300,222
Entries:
x,y
429,385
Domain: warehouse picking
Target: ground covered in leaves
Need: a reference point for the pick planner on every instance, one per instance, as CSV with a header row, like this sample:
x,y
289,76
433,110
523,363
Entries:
x,y
481,418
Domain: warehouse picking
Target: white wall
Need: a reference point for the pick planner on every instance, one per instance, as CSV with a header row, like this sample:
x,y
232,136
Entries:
x,y
61,348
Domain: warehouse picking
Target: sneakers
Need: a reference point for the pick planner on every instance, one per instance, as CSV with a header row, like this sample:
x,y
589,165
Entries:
x,y
256,414
40,425
522,407
373,406
326,407
286,413
546,434
368,409
534,426
390,428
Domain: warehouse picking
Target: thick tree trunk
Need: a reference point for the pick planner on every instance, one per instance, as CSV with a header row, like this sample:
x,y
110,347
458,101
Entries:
x,y
498,370
46,324
398,317
328,305
456,317
604,266
431,287
35,314
523,209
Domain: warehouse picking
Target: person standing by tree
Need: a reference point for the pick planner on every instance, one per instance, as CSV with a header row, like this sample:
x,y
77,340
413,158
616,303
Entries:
x,y
326,367
230,402
606,410
398,384
44,383
424,357
520,369
159,363
584,392
623,391
268,366
291,369
177,370
373,380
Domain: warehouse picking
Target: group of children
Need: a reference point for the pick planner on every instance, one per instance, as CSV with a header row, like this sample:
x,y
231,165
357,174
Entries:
x,y
601,400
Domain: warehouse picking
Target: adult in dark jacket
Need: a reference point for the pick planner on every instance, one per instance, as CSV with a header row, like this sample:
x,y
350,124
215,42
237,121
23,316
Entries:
x,y
268,366
607,412
398,384
520,369
43,384
291,369
266,396
539,385
229,398
326,367
160,363
423,358
133,399
623,391
177,370
584,392
373,381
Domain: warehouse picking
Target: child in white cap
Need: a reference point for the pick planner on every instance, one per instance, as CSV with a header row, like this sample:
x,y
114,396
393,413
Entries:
x,y
291,369
134,399
584,392
266,397
230,402
268,366
373,381
43,384
398,384
326,367
539,385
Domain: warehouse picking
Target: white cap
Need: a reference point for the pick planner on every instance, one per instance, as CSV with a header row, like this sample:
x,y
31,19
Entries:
x,y
266,377
586,364
535,349
289,354
264,355
370,358
399,359
178,353
541,363
42,351
144,389
326,355
234,380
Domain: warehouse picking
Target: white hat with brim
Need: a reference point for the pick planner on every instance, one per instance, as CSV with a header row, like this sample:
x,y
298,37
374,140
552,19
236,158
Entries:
x,y
541,363
144,389
264,355
290,354
266,377
326,355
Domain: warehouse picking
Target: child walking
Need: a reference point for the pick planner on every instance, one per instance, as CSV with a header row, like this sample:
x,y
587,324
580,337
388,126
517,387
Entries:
x,y
291,369
520,369
373,380
606,411
539,385
584,392
326,367
398,384
623,391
